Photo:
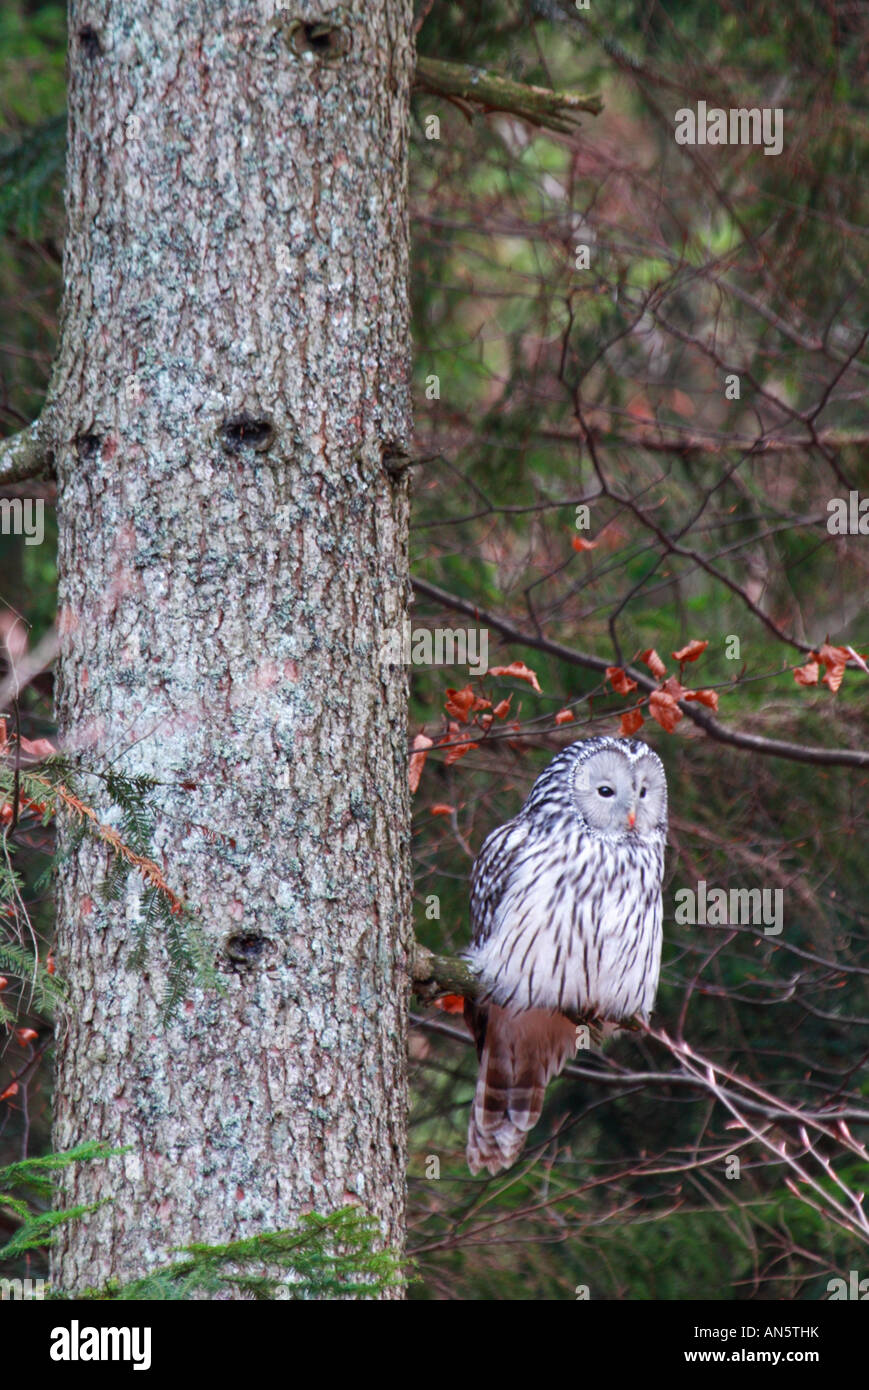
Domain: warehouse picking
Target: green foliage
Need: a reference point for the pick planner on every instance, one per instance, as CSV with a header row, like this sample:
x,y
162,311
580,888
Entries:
x,y
732,257
37,1176
334,1256
133,797
513,333
32,63
31,171
44,991
32,145
164,922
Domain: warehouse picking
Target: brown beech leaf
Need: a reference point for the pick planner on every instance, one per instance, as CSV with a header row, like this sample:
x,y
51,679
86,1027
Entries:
x,y
703,697
564,716
440,808
610,538
456,750
833,677
502,709
37,748
450,1003
808,674
417,760
619,680
691,652
673,686
834,656
461,703
639,409
682,404
519,671
664,709
631,721
651,659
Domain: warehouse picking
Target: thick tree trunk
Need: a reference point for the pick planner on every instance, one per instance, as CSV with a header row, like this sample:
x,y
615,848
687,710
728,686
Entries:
x,y
230,395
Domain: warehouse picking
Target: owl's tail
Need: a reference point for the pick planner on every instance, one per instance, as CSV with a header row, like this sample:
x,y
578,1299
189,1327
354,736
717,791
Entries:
x,y
519,1054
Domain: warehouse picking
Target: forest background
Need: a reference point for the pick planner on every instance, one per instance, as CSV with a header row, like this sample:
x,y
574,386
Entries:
x,y
590,487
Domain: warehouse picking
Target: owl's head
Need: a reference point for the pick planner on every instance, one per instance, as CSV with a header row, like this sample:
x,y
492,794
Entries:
x,y
619,788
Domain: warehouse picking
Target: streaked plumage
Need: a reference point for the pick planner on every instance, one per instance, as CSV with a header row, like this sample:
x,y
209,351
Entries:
x,y
566,914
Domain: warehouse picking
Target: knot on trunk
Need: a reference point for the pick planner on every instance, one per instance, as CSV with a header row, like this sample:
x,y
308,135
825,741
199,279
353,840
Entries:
x,y
325,40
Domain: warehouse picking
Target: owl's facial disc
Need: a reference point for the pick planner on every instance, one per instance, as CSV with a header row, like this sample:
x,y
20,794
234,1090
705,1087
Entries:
x,y
617,797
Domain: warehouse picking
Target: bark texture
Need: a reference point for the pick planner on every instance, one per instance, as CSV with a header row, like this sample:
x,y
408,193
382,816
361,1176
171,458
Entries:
x,y
230,395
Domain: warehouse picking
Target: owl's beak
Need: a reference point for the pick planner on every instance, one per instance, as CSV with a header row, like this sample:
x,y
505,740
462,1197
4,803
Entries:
x,y
632,819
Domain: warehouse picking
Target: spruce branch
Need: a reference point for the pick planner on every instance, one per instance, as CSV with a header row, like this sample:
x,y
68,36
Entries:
x,y
36,1178
150,871
190,955
489,91
338,1255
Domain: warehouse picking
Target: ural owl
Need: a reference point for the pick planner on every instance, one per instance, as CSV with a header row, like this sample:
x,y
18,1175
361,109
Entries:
x,y
566,913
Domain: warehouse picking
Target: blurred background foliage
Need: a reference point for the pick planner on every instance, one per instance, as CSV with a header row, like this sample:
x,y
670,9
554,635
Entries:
x,y
541,387
32,140
703,261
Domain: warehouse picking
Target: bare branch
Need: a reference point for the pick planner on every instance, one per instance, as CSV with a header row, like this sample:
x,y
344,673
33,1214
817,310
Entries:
x,y
26,454
554,110
435,975
737,738
656,440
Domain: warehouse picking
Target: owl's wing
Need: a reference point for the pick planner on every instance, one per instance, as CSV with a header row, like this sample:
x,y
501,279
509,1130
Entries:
x,y
518,1056
491,874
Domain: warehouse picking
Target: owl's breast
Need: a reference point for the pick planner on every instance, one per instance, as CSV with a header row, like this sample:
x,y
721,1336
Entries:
x,y
577,927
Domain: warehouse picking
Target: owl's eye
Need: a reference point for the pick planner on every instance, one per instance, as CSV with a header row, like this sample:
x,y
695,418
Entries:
x,y
642,792
605,791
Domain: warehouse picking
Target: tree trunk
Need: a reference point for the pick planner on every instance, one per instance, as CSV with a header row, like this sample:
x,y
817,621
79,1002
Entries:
x,y
230,396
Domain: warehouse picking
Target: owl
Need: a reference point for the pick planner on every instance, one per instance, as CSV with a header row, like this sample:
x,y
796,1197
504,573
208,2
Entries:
x,y
566,913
